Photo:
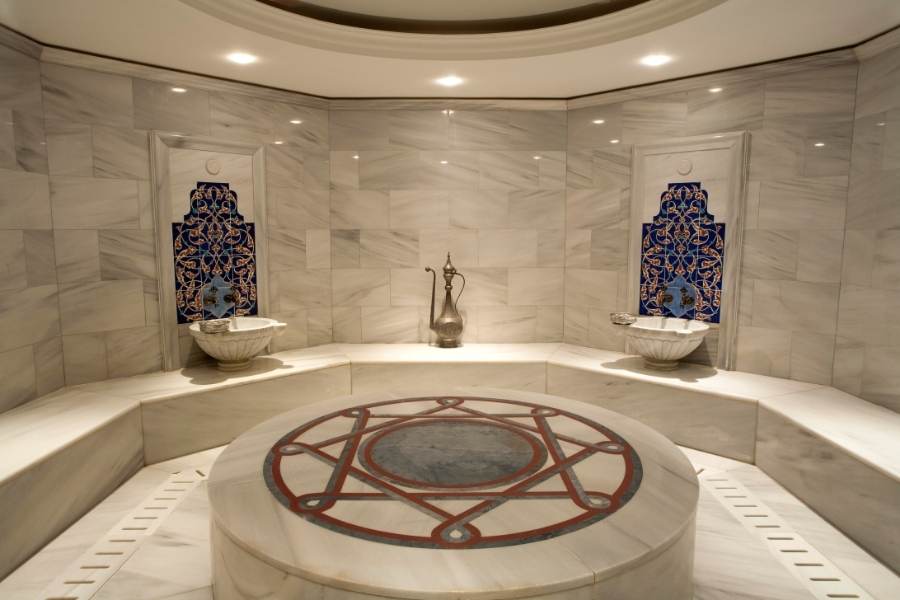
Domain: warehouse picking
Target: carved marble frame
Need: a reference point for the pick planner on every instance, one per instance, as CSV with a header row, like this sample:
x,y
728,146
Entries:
x,y
738,146
160,145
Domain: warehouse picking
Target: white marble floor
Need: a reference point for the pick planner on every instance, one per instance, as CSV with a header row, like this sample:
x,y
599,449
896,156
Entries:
x,y
173,563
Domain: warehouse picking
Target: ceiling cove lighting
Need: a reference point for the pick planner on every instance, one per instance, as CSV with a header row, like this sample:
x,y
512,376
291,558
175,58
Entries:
x,y
278,142
296,121
241,58
444,162
179,90
598,121
449,80
715,90
655,60
819,144
613,141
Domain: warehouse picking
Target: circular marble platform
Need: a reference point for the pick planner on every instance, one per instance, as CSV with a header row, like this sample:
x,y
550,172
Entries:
x,y
466,493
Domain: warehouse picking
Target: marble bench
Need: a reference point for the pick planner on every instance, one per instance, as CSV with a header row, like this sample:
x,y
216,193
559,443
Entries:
x,y
63,453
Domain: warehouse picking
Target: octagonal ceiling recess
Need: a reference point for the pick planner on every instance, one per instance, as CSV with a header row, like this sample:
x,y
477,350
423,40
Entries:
x,y
457,17
307,55
458,30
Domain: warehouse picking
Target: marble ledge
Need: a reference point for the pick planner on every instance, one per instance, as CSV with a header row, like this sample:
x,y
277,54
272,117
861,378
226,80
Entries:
x,y
165,385
32,431
36,430
735,385
467,353
868,432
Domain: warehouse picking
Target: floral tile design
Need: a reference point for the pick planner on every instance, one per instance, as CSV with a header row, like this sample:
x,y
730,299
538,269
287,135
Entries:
x,y
215,257
682,257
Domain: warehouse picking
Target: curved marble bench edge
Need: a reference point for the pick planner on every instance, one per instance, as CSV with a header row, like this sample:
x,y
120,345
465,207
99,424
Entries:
x,y
776,404
550,353
677,536
61,396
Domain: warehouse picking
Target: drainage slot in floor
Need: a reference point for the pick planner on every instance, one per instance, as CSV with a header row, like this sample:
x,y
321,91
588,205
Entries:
x,y
817,574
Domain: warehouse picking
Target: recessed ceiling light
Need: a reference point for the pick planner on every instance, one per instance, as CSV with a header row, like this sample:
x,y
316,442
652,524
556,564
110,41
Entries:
x,y
715,90
356,157
880,124
655,60
447,111
179,90
718,135
819,144
598,121
613,141
296,121
278,142
241,58
536,157
444,162
449,81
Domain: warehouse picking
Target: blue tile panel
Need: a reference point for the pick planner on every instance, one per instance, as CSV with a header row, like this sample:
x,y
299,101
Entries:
x,y
682,257
215,257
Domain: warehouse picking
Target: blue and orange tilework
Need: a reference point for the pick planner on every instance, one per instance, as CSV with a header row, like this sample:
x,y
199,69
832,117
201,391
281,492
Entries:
x,y
682,257
215,257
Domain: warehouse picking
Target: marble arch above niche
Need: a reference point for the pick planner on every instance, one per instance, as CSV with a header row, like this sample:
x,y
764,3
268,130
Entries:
x,y
686,231
193,177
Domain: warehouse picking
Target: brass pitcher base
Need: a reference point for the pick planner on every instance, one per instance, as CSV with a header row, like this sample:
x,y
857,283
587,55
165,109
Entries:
x,y
449,343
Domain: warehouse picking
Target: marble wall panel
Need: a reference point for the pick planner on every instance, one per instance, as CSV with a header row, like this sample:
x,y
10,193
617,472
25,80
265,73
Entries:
x,y
24,200
48,365
28,277
101,306
409,186
157,106
865,360
17,371
360,287
121,153
84,358
29,316
85,203
83,96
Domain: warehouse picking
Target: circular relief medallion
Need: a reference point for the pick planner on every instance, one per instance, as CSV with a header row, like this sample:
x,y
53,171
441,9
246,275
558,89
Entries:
x,y
452,472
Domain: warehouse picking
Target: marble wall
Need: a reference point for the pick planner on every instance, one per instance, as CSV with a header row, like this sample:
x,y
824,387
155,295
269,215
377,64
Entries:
x,y
868,342
78,296
532,201
30,343
407,186
794,220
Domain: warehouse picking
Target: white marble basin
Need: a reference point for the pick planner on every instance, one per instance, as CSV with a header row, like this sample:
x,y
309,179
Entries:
x,y
246,337
663,341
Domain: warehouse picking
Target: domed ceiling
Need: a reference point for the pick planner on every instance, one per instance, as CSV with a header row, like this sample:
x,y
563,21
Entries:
x,y
301,45
457,17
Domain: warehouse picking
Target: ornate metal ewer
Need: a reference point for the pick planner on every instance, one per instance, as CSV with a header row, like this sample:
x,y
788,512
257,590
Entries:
x,y
449,325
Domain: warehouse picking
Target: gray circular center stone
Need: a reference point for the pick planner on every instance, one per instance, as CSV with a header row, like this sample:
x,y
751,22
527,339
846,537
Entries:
x,y
453,454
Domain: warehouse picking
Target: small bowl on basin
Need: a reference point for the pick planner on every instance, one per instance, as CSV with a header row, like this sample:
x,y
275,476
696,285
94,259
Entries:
x,y
245,338
663,341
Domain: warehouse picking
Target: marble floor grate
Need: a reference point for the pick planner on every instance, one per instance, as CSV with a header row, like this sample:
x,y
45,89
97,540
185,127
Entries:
x,y
818,574
83,578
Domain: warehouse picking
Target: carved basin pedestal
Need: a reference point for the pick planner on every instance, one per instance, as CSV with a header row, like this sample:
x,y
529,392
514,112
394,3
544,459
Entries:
x,y
663,341
245,338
